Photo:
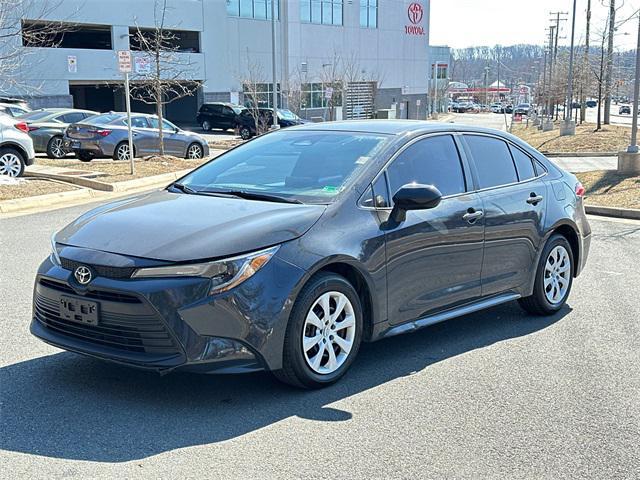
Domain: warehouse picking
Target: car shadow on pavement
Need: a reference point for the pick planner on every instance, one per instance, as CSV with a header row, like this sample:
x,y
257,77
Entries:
x,y
73,407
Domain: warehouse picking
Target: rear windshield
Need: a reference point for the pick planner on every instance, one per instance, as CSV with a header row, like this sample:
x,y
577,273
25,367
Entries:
x,y
37,115
309,166
102,119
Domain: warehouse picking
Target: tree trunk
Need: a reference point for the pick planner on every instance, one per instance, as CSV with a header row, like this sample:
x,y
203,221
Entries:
x,y
600,78
159,102
609,73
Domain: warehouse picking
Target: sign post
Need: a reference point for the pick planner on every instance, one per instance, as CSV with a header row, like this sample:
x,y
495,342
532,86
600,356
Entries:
x,y
124,65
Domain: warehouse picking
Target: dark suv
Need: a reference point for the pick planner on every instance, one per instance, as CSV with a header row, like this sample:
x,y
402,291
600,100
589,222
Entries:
x,y
223,116
247,120
287,252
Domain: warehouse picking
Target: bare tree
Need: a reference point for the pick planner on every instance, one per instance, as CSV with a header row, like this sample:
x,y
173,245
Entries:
x,y
609,66
23,25
255,93
169,69
584,77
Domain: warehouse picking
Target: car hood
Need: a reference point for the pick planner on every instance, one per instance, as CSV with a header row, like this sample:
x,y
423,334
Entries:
x,y
180,227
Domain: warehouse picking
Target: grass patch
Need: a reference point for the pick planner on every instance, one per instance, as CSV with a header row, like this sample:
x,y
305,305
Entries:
x,y
608,188
23,188
611,138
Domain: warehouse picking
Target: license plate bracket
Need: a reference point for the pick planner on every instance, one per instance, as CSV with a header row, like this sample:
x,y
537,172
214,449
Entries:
x,y
79,310
74,144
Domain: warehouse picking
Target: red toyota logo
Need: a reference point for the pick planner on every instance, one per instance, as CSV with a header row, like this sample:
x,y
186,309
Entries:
x,y
415,13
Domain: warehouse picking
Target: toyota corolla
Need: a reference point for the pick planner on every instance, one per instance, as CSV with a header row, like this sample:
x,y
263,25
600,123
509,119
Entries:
x,y
287,252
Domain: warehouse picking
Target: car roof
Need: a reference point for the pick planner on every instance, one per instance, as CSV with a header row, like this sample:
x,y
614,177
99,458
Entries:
x,y
395,127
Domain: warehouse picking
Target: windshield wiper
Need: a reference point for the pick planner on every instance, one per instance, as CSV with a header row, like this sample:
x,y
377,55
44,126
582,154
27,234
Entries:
x,y
183,188
250,195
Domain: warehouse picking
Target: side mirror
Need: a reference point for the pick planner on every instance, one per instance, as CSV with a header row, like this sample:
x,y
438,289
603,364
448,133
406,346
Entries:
x,y
414,196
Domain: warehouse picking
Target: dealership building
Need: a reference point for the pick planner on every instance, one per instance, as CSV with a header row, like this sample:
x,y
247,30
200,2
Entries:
x,y
342,58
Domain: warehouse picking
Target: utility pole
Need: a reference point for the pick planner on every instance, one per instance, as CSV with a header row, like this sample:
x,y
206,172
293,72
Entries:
x,y
569,127
629,161
609,71
547,124
585,67
275,125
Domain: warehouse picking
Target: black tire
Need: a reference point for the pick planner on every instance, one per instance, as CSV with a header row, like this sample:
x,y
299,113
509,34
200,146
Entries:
x,y
115,151
295,370
8,165
187,153
245,133
537,303
84,156
51,148
206,125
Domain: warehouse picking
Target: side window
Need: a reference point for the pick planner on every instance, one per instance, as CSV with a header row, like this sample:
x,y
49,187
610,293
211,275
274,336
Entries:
x,y
432,161
523,162
228,112
381,192
72,117
493,161
215,109
137,122
167,125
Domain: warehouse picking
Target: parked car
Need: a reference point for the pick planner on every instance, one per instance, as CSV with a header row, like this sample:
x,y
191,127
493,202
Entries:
x,y
106,135
464,107
16,147
219,115
47,127
287,252
522,109
591,103
624,109
247,122
13,109
497,108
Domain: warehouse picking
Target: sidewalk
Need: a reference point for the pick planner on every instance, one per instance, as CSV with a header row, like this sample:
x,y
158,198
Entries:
x,y
585,164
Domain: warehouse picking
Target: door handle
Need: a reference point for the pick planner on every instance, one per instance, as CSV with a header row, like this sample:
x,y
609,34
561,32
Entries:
x,y
472,215
534,199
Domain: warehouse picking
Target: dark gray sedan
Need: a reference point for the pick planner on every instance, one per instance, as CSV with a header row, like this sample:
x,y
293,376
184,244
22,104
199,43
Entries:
x,y
106,135
287,252
47,126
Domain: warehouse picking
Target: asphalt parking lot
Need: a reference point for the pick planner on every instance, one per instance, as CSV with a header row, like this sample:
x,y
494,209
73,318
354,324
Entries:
x,y
497,394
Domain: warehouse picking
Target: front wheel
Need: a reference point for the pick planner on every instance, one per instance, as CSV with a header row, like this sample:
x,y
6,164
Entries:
x,y
55,148
554,278
195,151
11,162
206,126
324,333
245,133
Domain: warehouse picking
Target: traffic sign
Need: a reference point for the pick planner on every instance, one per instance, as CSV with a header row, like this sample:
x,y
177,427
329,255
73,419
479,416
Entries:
x,y
142,65
124,61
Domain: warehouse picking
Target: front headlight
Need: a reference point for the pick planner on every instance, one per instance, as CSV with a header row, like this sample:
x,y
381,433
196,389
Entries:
x,y
224,274
55,257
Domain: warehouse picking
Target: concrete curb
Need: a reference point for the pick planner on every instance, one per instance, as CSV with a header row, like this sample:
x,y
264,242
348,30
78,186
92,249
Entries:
x,y
631,213
63,198
579,154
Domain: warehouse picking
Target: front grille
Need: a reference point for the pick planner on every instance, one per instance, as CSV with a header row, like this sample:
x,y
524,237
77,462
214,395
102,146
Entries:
x,y
92,294
138,331
100,270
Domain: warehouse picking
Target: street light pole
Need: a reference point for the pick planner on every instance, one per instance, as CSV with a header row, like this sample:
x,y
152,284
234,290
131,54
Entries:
x,y
275,125
633,146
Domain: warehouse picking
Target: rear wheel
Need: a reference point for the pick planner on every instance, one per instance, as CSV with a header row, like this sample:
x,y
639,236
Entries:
x,y
55,148
206,125
121,152
324,333
11,162
554,278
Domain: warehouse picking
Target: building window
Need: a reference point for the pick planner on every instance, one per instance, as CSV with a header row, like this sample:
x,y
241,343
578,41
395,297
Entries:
x,y
325,12
315,95
258,9
44,34
259,95
441,72
141,39
369,13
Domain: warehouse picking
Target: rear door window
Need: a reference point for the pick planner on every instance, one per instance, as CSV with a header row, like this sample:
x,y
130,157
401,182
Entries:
x,y
524,164
432,161
493,161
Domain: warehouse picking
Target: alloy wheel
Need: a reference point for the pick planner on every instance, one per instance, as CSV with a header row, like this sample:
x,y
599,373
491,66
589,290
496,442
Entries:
x,y
10,164
557,272
195,152
57,147
206,126
123,152
329,332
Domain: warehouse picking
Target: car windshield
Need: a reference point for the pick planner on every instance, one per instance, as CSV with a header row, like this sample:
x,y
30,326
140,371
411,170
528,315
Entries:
x,y
102,119
36,115
304,166
287,115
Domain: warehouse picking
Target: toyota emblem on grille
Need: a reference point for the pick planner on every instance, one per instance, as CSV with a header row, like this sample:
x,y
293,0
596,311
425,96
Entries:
x,y
82,274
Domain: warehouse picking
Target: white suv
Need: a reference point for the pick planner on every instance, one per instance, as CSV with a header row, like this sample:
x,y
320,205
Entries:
x,y
16,147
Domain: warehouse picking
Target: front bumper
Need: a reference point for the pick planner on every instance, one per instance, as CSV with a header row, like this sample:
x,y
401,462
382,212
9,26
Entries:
x,y
168,324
